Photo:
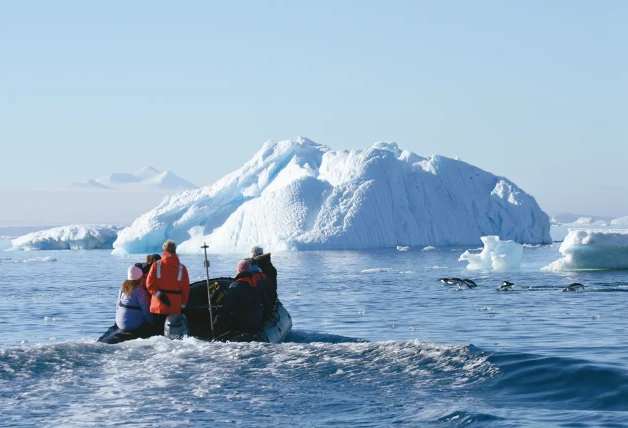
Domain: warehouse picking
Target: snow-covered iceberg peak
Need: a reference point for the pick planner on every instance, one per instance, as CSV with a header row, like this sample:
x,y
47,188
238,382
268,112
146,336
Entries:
x,y
592,249
300,195
74,237
496,255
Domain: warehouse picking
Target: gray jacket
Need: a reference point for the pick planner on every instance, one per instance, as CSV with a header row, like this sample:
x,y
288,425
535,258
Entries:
x,y
132,312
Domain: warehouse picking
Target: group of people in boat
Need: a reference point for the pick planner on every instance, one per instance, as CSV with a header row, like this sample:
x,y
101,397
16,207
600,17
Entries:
x,y
160,287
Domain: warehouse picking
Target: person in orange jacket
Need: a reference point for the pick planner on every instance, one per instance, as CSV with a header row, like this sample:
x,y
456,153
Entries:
x,y
169,285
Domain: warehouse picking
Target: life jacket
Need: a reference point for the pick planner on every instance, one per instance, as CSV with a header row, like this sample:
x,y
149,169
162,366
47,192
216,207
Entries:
x,y
258,276
251,280
170,277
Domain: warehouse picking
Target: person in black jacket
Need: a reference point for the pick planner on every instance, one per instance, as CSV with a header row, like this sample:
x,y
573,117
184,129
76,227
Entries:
x,y
246,302
263,261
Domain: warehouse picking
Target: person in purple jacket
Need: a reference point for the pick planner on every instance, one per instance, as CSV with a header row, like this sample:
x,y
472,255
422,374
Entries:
x,y
133,308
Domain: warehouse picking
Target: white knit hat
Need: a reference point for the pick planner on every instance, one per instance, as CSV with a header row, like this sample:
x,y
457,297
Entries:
x,y
256,251
134,273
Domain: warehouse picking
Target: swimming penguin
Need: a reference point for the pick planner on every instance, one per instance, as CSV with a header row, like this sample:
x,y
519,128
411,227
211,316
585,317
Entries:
x,y
444,280
576,286
465,284
506,286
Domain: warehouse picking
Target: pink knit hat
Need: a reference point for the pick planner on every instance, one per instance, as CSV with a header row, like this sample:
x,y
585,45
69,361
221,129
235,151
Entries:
x,y
134,273
243,266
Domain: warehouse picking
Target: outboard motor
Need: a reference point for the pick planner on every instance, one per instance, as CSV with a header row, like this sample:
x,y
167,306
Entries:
x,y
176,327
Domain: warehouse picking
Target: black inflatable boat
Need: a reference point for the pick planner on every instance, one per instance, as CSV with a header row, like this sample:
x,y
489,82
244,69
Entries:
x,y
274,330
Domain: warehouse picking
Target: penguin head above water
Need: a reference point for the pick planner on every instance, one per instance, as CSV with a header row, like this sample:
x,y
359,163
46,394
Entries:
x,y
506,286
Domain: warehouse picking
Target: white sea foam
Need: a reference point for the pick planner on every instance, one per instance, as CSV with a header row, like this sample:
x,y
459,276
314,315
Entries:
x,y
83,383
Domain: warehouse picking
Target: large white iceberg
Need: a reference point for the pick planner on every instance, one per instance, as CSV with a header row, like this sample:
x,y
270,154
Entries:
x,y
621,221
300,195
74,237
496,255
592,249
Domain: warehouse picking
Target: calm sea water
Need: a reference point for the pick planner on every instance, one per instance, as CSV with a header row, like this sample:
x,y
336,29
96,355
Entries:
x,y
377,341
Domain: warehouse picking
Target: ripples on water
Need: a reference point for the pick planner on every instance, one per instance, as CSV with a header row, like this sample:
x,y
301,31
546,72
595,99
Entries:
x,y
391,345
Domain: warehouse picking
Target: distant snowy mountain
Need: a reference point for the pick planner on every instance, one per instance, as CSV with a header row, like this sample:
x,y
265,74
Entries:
x,y
90,184
579,219
147,178
300,195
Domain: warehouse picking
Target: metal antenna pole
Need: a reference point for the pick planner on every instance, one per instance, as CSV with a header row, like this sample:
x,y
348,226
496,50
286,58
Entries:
x,y
209,296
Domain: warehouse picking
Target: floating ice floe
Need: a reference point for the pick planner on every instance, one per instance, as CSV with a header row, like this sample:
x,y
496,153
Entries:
x,y
38,260
375,270
592,249
496,255
429,248
400,248
300,195
74,237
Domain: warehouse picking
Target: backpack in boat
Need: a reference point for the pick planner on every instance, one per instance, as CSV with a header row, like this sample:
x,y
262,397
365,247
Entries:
x,y
217,292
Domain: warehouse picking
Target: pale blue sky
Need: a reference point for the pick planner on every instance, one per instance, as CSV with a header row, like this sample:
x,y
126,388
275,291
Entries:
x,y
536,91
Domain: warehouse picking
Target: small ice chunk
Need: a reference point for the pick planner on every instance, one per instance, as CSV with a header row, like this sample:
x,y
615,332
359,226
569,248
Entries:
x,y
39,260
592,249
375,270
400,248
496,255
429,248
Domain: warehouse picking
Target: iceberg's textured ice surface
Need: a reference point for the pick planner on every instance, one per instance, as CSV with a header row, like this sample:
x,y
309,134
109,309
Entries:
x,y
300,195
5,242
496,255
74,237
592,249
